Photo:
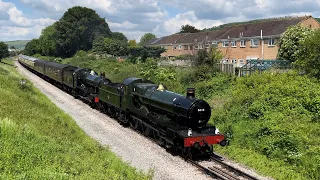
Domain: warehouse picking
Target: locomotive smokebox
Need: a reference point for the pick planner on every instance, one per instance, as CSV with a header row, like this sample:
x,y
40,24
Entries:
x,y
191,93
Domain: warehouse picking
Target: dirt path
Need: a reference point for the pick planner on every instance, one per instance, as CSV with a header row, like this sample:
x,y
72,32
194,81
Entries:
x,y
132,147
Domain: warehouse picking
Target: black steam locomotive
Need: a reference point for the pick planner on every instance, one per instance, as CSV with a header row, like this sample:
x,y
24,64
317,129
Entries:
x,y
173,120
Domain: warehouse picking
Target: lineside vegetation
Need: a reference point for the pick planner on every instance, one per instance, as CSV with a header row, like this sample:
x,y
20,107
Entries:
x,y
40,141
272,120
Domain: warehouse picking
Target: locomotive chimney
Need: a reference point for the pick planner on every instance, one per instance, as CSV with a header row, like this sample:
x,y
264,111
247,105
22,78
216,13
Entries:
x,y
191,93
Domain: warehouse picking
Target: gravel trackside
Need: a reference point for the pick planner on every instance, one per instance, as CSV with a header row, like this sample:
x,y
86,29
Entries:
x,y
132,147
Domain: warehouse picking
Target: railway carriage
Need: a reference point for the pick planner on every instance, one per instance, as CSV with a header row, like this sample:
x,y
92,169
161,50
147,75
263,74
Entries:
x,y
28,61
39,66
55,71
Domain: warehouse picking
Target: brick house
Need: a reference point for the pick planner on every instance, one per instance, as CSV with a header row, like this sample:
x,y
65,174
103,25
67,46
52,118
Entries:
x,y
238,43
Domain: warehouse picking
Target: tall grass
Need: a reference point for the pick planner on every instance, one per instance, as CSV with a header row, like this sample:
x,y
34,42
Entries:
x,y
40,141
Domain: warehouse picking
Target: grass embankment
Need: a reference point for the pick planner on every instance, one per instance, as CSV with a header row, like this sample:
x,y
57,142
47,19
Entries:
x,y
40,141
272,120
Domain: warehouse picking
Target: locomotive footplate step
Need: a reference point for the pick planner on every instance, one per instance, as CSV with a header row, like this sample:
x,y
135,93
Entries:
x,y
206,131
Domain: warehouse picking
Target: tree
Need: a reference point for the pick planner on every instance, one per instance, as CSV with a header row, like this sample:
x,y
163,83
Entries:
x,y
132,43
32,47
48,40
98,45
289,44
211,57
4,52
110,46
144,52
308,57
119,36
77,29
188,29
146,38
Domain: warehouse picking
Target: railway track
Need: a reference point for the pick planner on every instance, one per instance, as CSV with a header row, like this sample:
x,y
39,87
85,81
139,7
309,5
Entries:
x,y
218,169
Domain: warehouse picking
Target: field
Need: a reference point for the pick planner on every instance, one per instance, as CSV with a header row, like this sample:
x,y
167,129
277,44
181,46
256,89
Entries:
x,y
272,120
40,141
19,44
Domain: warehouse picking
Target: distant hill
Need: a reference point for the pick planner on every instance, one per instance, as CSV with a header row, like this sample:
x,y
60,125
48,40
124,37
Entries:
x,y
247,22
19,44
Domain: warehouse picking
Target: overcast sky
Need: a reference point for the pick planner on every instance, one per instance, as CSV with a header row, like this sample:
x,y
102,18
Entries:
x,y
24,19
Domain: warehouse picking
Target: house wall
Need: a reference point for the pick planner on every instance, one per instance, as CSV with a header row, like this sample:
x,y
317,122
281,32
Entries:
x,y
232,53
177,52
243,53
310,23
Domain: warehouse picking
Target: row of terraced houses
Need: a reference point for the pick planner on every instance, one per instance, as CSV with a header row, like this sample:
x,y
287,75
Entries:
x,y
239,43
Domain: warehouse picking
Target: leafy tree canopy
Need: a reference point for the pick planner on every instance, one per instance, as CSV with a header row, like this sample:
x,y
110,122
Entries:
x,y
139,53
110,46
77,29
308,56
211,57
290,42
4,52
188,29
32,47
119,36
48,40
132,43
146,38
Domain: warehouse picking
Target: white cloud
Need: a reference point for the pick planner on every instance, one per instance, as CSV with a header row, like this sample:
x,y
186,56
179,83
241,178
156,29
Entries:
x,y
124,25
173,25
16,16
19,33
4,6
44,21
136,17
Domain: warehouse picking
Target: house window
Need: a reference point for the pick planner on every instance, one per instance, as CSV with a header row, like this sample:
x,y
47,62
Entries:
x,y
254,42
227,60
185,47
214,43
234,61
225,43
190,47
207,46
174,47
242,43
241,61
180,47
200,46
233,44
272,42
196,47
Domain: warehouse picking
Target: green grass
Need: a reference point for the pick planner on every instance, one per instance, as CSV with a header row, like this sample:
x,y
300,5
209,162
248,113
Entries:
x,y
19,44
40,141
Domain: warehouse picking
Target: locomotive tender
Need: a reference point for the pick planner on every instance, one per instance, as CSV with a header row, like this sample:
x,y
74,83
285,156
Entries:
x,y
173,120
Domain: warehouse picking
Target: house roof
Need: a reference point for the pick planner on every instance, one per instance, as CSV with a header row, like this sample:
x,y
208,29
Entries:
x,y
269,27
172,39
